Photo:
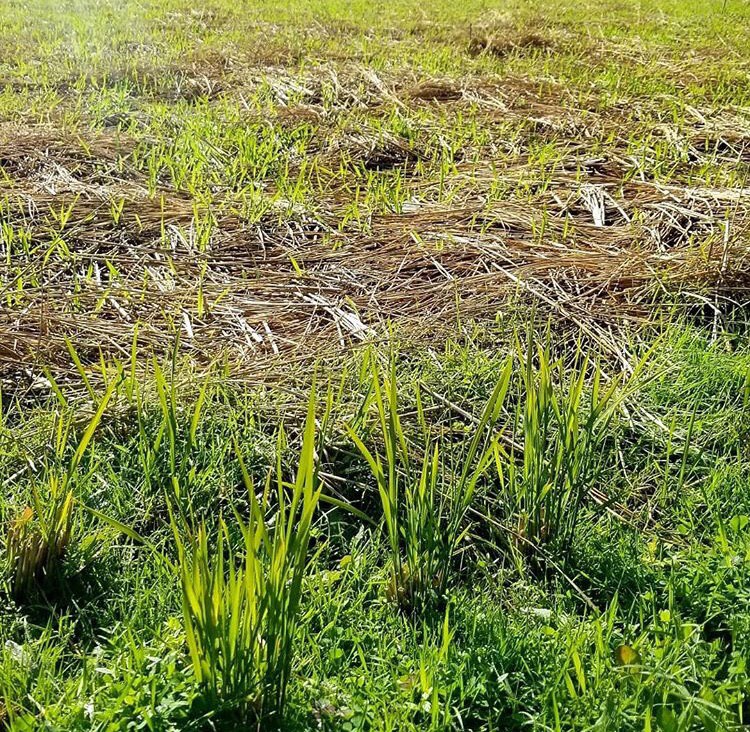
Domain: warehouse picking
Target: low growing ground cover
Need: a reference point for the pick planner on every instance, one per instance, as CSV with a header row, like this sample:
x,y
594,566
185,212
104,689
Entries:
x,y
374,367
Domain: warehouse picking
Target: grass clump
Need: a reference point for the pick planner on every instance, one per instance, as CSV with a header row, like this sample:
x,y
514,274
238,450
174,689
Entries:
x,y
563,419
38,540
425,489
241,608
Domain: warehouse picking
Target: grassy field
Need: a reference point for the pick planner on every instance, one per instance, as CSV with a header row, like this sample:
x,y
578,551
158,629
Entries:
x,y
375,366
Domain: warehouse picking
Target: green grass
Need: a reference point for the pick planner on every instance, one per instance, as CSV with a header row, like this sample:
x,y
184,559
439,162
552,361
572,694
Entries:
x,y
239,621
515,640
508,243
425,508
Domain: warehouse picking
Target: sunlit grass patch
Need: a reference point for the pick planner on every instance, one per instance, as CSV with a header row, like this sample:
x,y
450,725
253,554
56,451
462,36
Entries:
x,y
202,207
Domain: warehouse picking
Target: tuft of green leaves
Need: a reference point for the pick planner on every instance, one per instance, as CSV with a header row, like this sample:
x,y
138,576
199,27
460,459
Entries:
x,y
564,425
37,540
240,606
423,498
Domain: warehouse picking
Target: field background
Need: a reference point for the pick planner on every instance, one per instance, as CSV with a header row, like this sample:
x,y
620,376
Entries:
x,y
524,227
